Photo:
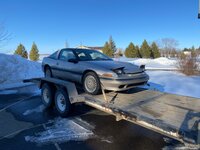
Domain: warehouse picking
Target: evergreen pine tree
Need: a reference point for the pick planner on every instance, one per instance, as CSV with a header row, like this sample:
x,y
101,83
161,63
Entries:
x,y
138,51
112,44
34,53
107,50
21,51
155,50
145,50
131,51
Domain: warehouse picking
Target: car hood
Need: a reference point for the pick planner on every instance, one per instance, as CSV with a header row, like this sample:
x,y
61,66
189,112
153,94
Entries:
x,y
110,65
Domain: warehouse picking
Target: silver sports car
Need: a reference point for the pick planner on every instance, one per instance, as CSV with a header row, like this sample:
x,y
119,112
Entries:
x,y
93,70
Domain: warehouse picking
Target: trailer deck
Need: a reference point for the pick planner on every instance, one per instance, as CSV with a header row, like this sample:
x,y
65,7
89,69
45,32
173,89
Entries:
x,y
175,116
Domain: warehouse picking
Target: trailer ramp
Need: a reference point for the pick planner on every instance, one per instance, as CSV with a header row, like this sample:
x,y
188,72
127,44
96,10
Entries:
x,y
172,115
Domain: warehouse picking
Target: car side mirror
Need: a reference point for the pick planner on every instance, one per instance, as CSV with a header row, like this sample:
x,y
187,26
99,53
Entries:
x,y
73,60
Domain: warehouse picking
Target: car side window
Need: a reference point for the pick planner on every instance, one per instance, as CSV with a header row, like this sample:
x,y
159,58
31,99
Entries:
x,y
66,55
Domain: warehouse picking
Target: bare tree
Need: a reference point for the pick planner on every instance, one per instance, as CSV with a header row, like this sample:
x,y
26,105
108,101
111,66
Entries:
x,y
4,35
188,64
168,46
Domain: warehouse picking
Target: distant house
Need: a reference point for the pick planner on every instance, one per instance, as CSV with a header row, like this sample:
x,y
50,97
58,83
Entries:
x,y
91,47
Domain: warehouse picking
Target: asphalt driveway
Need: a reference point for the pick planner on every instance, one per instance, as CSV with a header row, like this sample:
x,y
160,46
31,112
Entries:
x,y
26,124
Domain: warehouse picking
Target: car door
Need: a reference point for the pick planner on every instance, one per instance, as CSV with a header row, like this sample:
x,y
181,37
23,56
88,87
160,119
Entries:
x,y
67,69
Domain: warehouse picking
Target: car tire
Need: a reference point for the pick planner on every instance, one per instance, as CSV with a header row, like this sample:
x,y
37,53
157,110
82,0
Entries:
x,y
47,93
62,103
48,72
91,83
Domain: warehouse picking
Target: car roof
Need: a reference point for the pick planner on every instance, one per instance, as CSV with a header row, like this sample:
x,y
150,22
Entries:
x,y
76,49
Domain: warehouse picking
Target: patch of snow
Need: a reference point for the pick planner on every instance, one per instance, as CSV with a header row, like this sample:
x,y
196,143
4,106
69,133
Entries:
x,y
174,82
84,123
158,63
167,81
14,69
38,109
63,130
107,139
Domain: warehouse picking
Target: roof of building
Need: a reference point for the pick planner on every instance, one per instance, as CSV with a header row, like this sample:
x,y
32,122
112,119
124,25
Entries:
x,y
91,47
95,47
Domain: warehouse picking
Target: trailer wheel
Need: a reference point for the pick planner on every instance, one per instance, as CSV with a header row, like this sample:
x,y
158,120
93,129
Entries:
x,y
47,95
62,103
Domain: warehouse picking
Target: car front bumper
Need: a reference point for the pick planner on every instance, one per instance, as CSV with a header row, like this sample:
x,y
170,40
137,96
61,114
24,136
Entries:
x,y
124,83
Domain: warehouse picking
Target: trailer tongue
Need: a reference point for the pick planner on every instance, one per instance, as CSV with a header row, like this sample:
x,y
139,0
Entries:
x,y
175,116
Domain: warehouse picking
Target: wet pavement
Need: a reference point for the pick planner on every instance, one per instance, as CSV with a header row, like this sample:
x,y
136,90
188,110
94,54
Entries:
x,y
26,124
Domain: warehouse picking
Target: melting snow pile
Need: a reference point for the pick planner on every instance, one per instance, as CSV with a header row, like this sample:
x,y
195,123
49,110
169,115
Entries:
x,y
62,130
167,81
158,63
15,68
174,82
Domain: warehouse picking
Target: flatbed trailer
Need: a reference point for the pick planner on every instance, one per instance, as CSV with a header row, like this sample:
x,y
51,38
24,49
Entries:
x,y
174,116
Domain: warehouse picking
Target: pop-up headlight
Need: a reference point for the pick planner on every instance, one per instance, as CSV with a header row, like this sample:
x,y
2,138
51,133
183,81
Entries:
x,y
119,71
142,67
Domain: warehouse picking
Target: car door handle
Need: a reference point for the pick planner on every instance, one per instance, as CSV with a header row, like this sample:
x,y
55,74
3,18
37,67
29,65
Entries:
x,y
57,63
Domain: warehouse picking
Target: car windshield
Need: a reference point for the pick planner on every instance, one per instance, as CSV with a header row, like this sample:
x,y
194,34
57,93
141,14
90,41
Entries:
x,y
90,55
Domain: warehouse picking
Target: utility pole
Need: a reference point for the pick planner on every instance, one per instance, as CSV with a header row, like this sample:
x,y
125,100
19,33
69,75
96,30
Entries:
x,y
66,44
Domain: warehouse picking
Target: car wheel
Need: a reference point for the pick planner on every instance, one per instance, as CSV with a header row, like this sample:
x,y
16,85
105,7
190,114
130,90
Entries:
x,y
91,83
48,72
62,103
47,95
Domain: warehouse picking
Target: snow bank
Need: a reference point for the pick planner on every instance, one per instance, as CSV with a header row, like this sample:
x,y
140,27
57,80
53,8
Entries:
x,y
158,63
167,81
14,69
174,82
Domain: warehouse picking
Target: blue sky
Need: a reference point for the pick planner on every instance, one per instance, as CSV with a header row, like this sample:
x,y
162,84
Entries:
x,y
50,23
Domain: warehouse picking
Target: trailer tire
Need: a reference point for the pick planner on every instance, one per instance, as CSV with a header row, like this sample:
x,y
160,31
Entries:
x,y
47,93
62,103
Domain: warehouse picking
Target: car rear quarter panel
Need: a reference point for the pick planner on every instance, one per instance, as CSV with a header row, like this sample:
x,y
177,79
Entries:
x,y
49,62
